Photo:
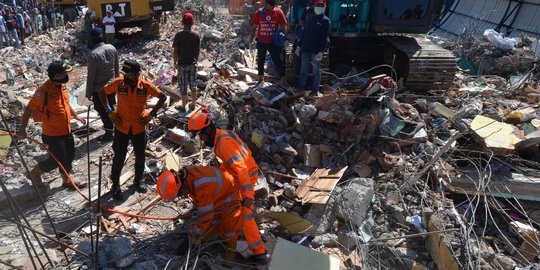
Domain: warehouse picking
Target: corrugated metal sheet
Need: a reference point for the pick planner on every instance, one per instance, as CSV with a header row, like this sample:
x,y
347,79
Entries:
x,y
511,16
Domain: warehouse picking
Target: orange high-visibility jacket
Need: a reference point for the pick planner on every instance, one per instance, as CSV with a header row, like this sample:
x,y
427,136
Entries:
x,y
216,198
131,104
237,160
52,102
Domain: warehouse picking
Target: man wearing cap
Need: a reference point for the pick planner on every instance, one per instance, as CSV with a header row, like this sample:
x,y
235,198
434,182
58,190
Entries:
x,y
102,69
50,104
186,46
314,42
130,119
109,22
265,22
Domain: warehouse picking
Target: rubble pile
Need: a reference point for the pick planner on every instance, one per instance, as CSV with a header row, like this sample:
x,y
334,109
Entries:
x,y
482,57
392,141
366,172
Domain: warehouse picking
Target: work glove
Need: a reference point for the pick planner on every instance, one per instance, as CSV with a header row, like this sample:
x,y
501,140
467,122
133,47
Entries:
x,y
318,57
115,118
297,51
247,202
144,120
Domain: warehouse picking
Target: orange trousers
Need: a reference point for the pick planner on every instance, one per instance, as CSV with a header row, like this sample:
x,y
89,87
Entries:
x,y
250,228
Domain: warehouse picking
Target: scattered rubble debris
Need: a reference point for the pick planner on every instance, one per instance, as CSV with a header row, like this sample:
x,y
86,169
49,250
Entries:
x,y
364,175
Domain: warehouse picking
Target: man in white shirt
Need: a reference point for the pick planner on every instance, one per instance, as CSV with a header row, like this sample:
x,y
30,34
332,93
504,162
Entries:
x,y
109,22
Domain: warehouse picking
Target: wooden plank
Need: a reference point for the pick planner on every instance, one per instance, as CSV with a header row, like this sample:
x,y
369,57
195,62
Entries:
x,y
318,187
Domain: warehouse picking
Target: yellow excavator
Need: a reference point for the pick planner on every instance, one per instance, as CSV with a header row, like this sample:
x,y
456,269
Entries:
x,y
133,13
68,8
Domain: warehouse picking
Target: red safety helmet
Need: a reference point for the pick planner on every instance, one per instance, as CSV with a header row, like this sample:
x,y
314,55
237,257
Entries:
x,y
198,121
170,182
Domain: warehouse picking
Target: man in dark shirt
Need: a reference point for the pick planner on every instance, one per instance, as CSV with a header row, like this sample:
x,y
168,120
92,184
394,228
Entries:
x,y
186,46
103,67
313,44
11,24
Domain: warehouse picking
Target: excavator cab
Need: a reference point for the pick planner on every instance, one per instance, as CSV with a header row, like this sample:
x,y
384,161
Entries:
x,y
383,16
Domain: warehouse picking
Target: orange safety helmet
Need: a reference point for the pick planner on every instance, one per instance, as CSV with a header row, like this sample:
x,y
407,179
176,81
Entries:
x,y
170,182
198,121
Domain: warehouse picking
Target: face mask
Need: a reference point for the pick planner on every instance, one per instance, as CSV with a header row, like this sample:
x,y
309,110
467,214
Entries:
x,y
128,80
63,80
319,10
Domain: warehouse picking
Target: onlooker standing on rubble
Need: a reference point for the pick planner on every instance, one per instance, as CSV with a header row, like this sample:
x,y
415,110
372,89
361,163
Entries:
x,y
236,159
265,22
215,196
11,25
103,67
186,46
130,119
295,55
50,104
315,41
88,26
3,31
38,22
28,25
21,25
109,21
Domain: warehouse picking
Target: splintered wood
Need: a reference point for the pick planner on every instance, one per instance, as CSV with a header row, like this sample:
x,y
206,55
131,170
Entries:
x,y
317,188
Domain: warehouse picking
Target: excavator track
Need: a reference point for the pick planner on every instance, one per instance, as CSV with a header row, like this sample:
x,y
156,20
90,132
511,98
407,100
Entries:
x,y
430,66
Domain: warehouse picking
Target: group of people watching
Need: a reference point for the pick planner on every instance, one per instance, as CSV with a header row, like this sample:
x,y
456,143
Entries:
x,y
19,22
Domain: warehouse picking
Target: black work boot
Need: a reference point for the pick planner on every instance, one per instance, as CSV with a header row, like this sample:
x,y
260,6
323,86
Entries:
x,y
117,193
139,186
259,259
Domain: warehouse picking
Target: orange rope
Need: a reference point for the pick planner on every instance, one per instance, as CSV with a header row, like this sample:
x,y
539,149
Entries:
x,y
43,146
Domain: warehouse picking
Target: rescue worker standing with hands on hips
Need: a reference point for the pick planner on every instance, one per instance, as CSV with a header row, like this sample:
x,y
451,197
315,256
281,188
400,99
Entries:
x,y
237,160
50,104
313,43
266,21
215,196
130,119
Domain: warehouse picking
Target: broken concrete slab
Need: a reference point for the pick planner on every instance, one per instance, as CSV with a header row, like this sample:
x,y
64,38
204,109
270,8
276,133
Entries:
x,y
354,200
495,136
288,255
347,238
122,252
327,240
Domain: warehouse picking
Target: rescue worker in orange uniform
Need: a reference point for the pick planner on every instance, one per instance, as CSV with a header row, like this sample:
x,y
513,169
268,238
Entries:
x,y
130,119
215,196
50,105
237,160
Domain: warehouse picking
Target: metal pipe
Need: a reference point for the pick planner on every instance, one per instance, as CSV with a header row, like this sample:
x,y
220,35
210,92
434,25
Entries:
x,y
32,180
88,165
19,227
16,211
96,260
11,265
44,235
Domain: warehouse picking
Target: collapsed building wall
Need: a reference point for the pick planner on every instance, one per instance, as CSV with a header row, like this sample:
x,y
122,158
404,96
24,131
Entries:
x,y
506,16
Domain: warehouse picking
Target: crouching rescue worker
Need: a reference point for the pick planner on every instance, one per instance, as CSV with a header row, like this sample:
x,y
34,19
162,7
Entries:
x,y
50,105
237,160
215,196
130,120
